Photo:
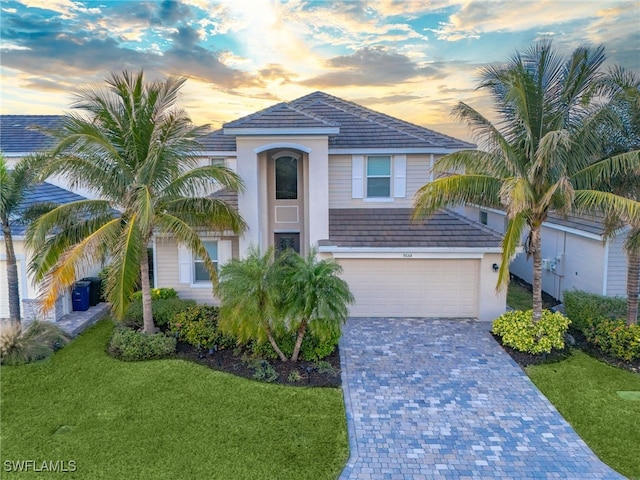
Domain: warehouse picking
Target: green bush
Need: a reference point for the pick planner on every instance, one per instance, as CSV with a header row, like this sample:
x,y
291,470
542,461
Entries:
x,y
518,331
584,308
615,338
198,326
156,294
131,346
164,310
313,347
19,345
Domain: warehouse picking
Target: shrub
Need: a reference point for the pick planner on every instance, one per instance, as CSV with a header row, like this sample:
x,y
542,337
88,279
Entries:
x,y
198,325
584,308
156,294
20,344
262,370
164,310
616,338
518,331
131,346
313,347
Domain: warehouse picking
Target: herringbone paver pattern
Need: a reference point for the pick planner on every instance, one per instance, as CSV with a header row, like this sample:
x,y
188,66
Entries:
x,y
440,399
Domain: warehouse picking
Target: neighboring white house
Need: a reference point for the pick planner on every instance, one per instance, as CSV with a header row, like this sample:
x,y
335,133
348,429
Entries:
x,y
576,255
323,172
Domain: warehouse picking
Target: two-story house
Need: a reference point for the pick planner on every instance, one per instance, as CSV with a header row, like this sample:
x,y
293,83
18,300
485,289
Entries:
x,y
324,172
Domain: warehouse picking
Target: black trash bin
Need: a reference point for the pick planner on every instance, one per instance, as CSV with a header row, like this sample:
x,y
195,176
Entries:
x,y
80,296
95,290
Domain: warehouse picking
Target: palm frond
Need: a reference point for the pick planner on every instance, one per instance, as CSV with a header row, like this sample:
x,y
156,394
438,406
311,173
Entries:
x,y
455,190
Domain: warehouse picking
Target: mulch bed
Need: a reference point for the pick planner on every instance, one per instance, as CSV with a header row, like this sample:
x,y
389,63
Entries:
x,y
525,359
233,361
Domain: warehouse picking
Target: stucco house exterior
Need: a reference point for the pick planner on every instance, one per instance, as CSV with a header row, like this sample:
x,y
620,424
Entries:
x,y
323,172
576,254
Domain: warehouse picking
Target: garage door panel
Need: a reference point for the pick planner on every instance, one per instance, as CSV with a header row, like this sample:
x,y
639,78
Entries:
x,y
413,287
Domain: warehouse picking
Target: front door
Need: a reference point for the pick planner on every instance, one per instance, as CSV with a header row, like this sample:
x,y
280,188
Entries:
x,y
286,200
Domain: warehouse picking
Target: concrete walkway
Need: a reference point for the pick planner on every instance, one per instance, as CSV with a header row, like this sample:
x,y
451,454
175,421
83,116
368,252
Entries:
x,y
439,399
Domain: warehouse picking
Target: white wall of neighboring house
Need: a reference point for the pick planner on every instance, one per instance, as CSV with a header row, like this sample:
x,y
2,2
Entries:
x,y
577,260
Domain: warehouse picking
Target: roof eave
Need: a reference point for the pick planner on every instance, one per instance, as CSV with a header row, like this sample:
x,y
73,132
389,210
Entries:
x,y
266,131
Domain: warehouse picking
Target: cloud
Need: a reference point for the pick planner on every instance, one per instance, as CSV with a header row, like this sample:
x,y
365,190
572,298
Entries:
x,y
479,17
371,66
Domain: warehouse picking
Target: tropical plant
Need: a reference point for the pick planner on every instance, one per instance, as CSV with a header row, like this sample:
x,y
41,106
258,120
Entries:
x,y
250,293
316,297
38,340
534,160
138,152
622,88
15,184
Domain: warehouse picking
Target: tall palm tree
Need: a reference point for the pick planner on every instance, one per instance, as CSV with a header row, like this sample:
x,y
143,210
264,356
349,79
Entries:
x,y
14,186
533,160
251,297
316,297
138,152
622,88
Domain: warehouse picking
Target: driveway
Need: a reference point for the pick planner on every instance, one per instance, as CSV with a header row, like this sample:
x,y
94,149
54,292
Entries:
x,y
440,399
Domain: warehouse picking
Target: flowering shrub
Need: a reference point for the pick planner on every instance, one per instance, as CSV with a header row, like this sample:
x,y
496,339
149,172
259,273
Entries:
x,y
517,330
615,338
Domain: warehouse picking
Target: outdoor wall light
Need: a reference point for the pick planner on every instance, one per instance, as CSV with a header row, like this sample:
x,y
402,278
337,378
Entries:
x,y
495,267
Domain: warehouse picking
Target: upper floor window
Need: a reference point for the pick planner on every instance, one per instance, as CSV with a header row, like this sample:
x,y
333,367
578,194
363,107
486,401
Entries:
x,y
217,162
379,176
286,178
484,217
200,272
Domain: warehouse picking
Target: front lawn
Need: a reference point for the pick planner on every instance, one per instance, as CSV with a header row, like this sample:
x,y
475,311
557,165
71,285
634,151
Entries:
x,y
164,419
584,391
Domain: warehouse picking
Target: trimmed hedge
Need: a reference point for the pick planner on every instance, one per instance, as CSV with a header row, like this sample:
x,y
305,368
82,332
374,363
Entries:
x,y
131,346
164,310
583,307
517,330
198,326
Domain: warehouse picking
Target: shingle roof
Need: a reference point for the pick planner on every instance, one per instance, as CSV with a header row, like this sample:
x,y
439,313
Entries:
x,y
43,193
228,196
392,227
363,127
18,133
587,223
359,127
281,115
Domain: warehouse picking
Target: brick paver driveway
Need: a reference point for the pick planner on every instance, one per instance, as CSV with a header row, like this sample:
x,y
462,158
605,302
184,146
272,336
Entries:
x,y
439,399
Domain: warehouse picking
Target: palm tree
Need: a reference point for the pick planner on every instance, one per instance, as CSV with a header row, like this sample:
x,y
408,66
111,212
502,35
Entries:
x,y
622,88
533,160
316,297
137,151
251,295
14,186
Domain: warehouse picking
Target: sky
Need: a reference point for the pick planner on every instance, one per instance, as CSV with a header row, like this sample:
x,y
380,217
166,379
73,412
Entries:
x,y
413,59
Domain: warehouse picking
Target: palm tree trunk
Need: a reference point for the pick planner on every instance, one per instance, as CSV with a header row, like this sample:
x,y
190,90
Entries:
x,y
13,284
296,349
536,250
633,287
147,311
273,343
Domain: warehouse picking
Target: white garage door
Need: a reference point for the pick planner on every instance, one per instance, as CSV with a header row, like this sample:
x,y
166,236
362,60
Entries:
x,y
412,287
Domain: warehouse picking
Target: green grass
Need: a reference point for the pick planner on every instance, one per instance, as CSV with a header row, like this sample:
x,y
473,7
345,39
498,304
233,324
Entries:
x,y
584,390
518,297
164,419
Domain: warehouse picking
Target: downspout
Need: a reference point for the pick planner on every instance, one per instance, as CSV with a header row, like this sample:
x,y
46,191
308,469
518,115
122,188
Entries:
x,y
605,273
